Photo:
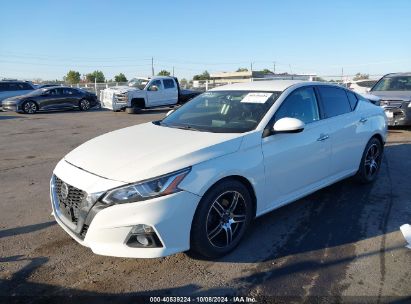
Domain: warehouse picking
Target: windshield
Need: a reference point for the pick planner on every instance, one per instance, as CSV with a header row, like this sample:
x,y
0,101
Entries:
x,y
222,111
394,83
138,83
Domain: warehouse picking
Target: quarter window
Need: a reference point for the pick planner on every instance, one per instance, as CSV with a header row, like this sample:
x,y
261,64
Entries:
x,y
334,101
352,99
301,104
168,83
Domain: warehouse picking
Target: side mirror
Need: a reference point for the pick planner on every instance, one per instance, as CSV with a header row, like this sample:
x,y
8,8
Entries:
x,y
288,125
368,90
169,112
153,88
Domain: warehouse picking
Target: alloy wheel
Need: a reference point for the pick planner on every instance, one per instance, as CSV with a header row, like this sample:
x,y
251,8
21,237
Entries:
x,y
226,218
30,107
84,105
372,160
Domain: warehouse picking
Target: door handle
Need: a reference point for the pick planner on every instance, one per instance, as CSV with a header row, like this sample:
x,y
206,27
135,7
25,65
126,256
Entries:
x,y
323,137
363,120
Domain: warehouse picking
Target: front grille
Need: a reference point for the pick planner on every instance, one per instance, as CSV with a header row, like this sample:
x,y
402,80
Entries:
x,y
392,103
121,97
70,199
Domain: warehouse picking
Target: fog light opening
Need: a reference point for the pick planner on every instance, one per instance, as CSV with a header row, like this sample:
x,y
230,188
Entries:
x,y
143,240
143,236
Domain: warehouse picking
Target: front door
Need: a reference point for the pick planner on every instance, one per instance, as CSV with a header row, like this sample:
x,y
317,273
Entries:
x,y
296,162
155,94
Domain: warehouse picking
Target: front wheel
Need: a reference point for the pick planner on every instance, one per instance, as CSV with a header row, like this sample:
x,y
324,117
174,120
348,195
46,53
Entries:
x,y
29,107
221,219
370,162
84,105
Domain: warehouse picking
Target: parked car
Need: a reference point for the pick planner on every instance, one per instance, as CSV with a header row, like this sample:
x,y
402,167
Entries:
x,y
10,88
198,177
394,94
143,93
51,98
361,86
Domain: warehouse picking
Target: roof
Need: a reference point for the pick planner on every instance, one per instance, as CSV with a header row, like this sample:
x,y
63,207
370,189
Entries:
x,y
266,85
398,74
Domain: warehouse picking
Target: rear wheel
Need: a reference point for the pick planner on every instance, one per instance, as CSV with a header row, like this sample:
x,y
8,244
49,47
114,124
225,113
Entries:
x,y
221,219
370,161
29,107
84,105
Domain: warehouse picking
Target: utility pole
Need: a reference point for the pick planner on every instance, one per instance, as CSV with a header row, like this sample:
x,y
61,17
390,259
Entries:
x,y
173,70
152,66
274,67
251,67
342,74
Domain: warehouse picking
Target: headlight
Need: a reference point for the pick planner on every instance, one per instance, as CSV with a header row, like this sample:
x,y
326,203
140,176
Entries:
x,y
158,186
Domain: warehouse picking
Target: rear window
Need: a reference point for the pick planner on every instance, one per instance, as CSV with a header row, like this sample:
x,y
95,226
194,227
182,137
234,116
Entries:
x,y
393,83
335,101
168,83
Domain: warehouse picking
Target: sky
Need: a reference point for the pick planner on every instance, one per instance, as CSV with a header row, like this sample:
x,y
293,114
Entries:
x,y
45,39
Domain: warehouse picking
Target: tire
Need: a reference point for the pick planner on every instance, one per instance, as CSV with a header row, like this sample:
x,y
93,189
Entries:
x,y
370,162
84,105
219,223
30,107
132,110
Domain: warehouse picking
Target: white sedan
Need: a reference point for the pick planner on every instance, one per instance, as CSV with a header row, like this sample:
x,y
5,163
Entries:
x,y
196,179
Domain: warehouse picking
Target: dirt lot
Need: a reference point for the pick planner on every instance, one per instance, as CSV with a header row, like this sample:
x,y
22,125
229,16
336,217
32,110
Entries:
x,y
342,243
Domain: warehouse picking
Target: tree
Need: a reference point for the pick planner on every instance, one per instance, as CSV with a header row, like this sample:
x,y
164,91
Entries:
x,y
266,71
242,70
164,73
120,78
72,77
317,78
204,76
96,76
360,76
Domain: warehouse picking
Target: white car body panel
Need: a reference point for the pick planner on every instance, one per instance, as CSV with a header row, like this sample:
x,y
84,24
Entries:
x,y
279,169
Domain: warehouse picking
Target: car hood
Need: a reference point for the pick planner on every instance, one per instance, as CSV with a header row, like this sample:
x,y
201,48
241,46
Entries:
x,y
13,100
123,89
148,150
392,95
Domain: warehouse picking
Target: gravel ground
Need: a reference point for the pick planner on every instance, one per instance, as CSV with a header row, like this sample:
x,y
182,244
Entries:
x,y
339,244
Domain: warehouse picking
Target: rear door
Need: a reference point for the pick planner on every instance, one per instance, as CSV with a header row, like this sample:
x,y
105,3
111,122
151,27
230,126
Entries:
x,y
170,91
155,93
347,129
53,99
71,97
296,162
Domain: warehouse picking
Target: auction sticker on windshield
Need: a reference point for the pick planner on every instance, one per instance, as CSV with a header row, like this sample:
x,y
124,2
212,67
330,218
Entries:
x,y
256,97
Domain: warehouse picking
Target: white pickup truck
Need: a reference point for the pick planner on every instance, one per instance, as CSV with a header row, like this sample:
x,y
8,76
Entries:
x,y
143,93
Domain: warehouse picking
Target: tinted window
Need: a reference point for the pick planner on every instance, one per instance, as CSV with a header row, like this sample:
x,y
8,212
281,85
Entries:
x,y
54,92
25,86
67,91
393,83
301,104
168,83
334,101
352,99
4,87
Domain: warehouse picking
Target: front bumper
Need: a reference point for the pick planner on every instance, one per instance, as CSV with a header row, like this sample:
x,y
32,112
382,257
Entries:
x,y
107,234
11,107
398,116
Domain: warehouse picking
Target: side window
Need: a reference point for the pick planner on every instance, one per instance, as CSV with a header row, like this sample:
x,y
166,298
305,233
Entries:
x,y
168,83
334,101
67,91
13,87
352,99
155,83
25,86
301,104
4,87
